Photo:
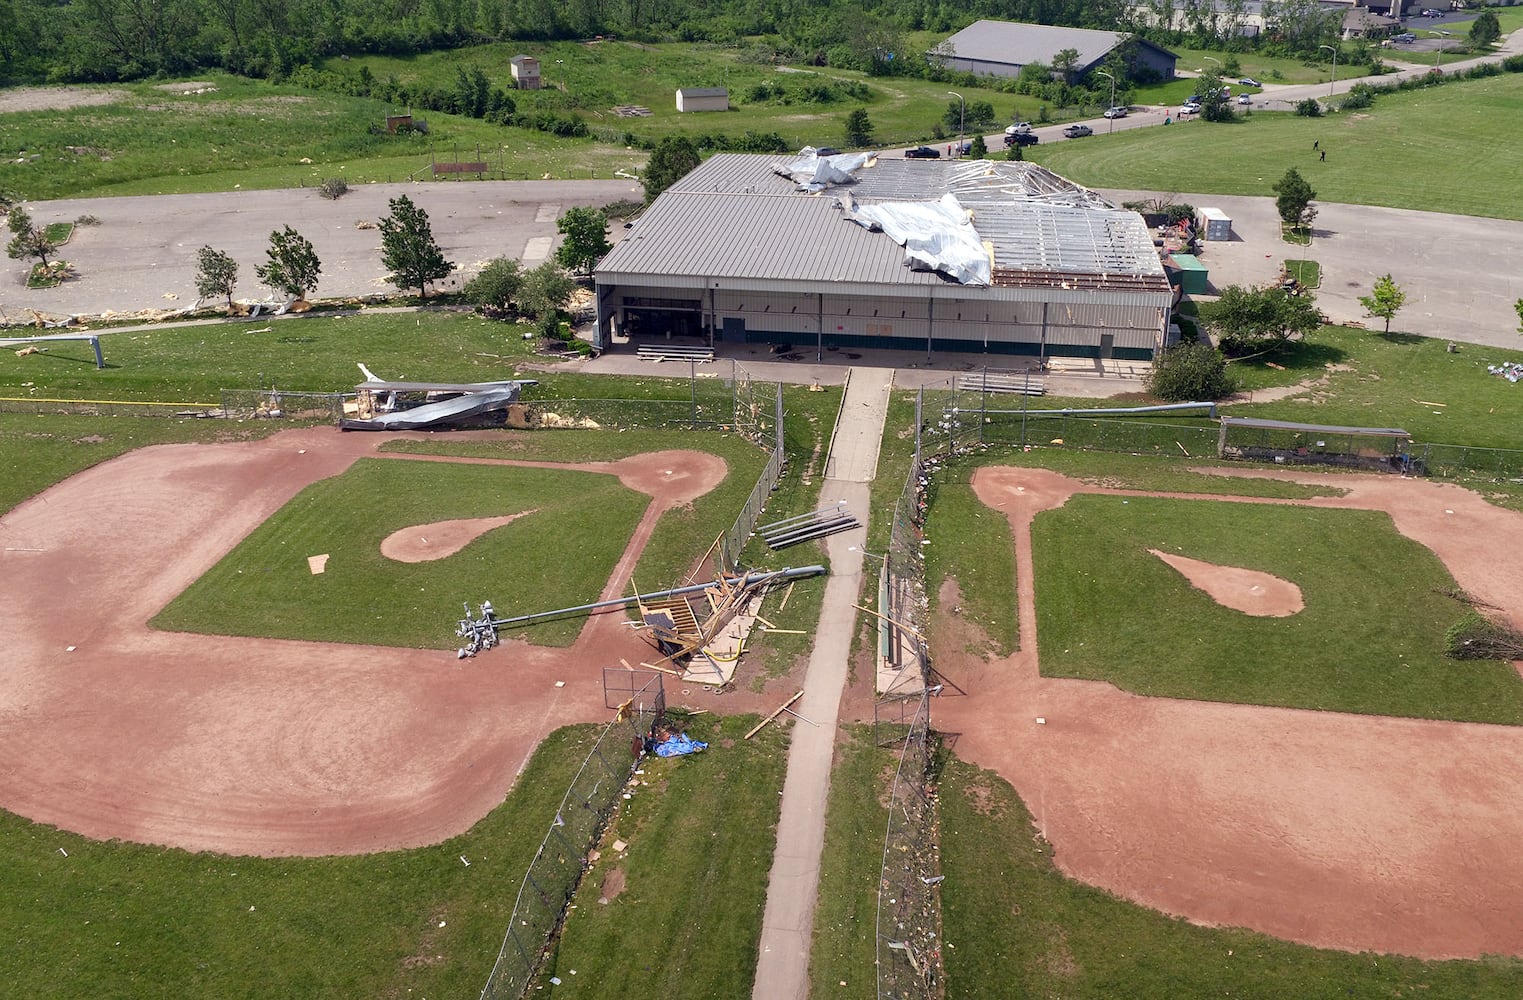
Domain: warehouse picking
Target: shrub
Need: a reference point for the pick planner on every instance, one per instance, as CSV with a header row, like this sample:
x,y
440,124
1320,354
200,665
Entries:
x,y
1477,636
1309,108
334,188
1359,97
1191,373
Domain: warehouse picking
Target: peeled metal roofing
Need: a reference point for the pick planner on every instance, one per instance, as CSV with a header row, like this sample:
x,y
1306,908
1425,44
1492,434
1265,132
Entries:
x,y
733,216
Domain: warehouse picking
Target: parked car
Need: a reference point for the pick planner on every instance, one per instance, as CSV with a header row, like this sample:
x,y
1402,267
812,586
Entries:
x,y
1249,81
923,153
1021,139
1244,99
1078,131
1018,128
1115,112
1189,108
1405,36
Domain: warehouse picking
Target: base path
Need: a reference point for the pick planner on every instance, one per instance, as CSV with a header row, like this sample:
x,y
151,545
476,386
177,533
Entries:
x,y
782,969
1335,830
262,746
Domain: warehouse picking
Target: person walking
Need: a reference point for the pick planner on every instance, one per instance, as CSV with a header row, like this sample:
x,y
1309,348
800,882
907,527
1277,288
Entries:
x,y
1322,158
1315,143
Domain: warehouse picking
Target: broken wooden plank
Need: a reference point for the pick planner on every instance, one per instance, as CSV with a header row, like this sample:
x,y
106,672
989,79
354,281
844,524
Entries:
x,y
779,711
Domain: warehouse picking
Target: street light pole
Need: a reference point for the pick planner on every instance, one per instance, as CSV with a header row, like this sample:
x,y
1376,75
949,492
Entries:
x,y
1438,57
962,118
1112,106
1335,69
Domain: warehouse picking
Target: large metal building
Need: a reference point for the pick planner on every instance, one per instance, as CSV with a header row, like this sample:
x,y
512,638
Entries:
x,y
855,251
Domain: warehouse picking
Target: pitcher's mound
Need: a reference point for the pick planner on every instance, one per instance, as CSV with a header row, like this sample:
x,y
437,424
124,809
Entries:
x,y
423,542
1245,590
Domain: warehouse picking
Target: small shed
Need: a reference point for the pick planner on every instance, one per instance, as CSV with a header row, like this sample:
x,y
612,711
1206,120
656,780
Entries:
x,y
1192,273
1215,225
525,72
703,99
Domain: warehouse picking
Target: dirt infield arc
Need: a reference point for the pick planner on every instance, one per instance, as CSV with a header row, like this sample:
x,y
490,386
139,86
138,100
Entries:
x,y
254,746
1342,831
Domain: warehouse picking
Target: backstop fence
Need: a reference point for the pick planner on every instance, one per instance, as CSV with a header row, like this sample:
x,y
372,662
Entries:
x,y
909,904
274,404
560,862
734,540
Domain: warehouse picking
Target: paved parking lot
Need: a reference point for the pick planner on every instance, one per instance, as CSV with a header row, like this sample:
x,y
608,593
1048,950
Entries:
x,y
143,253
1460,273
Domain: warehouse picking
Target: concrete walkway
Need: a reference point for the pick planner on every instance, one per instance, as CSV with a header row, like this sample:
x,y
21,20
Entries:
x,y
782,970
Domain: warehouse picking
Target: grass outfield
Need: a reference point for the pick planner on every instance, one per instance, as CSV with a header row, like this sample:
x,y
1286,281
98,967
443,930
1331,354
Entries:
x,y
1010,917
1370,639
265,588
687,920
119,921
1415,134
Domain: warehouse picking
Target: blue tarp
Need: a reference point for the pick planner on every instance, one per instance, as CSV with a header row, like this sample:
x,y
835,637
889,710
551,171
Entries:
x,y
679,746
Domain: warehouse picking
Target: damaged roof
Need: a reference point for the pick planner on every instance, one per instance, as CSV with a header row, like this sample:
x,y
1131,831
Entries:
x,y
740,215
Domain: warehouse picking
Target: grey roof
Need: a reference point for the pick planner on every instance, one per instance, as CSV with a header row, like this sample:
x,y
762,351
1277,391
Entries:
x,y
1021,44
735,217
703,92
1286,425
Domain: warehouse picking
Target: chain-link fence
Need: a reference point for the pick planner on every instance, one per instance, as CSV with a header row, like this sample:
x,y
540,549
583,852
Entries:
x,y
105,407
561,860
251,404
1454,461
909,905
734,540
738,403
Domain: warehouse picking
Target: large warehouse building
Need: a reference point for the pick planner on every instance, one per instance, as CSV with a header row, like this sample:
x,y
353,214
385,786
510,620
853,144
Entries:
x,y
856,251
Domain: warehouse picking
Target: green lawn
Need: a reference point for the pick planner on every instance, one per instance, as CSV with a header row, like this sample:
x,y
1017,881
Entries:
x,y
1010,917
1369,640
544,560
309,354
845,917
687,920
1415,134
1384,380
254,134
972,544
1307,272
121,921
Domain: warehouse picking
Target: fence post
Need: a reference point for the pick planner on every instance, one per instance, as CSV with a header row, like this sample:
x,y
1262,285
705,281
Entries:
x,y
983,405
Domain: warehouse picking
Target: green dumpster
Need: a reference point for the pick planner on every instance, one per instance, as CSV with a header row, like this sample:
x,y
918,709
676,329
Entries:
x,y
1192,273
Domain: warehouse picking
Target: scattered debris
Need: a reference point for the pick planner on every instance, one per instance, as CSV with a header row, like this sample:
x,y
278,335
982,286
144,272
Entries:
x,y
480,632
784,707
318,564
1512,371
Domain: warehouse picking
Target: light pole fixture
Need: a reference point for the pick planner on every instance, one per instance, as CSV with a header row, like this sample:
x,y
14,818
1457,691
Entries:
x,y
962,118
1334,78
1110,108
1438,57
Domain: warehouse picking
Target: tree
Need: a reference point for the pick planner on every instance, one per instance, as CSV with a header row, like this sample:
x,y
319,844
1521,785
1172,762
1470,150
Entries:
x,y
673,158
216,274
408,249
1485,29
293,266
1293,197
980,115
1191,373
1214,103
978,149
1385,300
1518,305
1064,64
544,292
586,232
28,240
859,128
1253,321
496,288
